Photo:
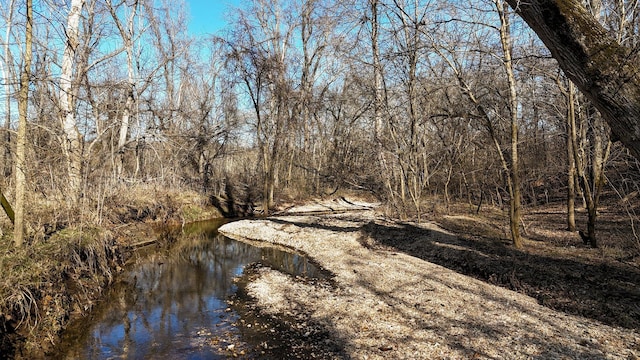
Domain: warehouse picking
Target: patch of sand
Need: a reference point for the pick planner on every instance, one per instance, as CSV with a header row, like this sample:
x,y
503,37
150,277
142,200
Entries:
x,y
389,305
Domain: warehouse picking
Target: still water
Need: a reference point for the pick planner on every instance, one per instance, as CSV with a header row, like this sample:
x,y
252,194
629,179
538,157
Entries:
x,y
174,303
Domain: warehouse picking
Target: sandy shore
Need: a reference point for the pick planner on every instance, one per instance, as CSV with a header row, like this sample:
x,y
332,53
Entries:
x,y
384,304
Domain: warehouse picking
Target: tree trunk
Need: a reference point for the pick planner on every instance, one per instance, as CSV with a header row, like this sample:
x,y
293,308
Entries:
x,y
5,152
127,38
591,225
72,146
447,200
7,208
600,157
514,206
21,181
514,210
377,75
606,72
571,161
378,92
591,183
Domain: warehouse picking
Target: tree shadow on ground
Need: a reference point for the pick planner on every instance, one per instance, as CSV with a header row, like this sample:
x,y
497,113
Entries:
x,y
609,293
473,333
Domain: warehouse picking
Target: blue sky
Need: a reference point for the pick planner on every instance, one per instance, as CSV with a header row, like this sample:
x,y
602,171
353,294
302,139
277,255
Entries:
x,y
209,16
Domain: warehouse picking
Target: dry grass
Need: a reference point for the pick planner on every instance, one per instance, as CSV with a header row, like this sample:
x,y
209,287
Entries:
x,y
42,283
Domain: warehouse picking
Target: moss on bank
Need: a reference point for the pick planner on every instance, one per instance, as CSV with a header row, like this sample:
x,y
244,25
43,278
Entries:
x,y
66,265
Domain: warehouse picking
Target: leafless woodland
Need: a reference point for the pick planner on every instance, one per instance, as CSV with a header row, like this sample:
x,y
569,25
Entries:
x,y
429,106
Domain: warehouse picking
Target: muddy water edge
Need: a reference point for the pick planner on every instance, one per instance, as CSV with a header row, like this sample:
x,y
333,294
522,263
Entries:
x,y
185,299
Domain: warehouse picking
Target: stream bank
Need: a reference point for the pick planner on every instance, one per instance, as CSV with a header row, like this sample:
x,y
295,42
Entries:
x,y
65,267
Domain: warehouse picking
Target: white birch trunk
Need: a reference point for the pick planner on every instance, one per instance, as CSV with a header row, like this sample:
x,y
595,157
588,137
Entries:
x,y
72,146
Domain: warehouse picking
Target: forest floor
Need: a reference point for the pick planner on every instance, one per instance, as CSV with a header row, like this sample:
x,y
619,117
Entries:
x,y
449,288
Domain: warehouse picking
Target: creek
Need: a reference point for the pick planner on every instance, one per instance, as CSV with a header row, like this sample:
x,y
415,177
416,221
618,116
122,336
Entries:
x,y
175,302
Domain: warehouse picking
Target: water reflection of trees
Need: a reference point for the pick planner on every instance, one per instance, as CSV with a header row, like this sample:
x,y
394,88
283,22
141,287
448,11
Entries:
x,y
171,298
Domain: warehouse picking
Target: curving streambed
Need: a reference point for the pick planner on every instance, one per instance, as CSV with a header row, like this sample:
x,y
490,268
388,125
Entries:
x,y
180,302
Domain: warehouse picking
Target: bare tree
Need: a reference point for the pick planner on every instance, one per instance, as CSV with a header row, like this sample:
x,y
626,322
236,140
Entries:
x,y
315,31
514,183
411,149
210,113
72,143
569,93
9,83
21,139
259,52
591,151
127,34
488,116
378,75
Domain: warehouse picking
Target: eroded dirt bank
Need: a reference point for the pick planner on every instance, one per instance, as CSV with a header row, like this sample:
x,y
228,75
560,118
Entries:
x,y
61,274
386,304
